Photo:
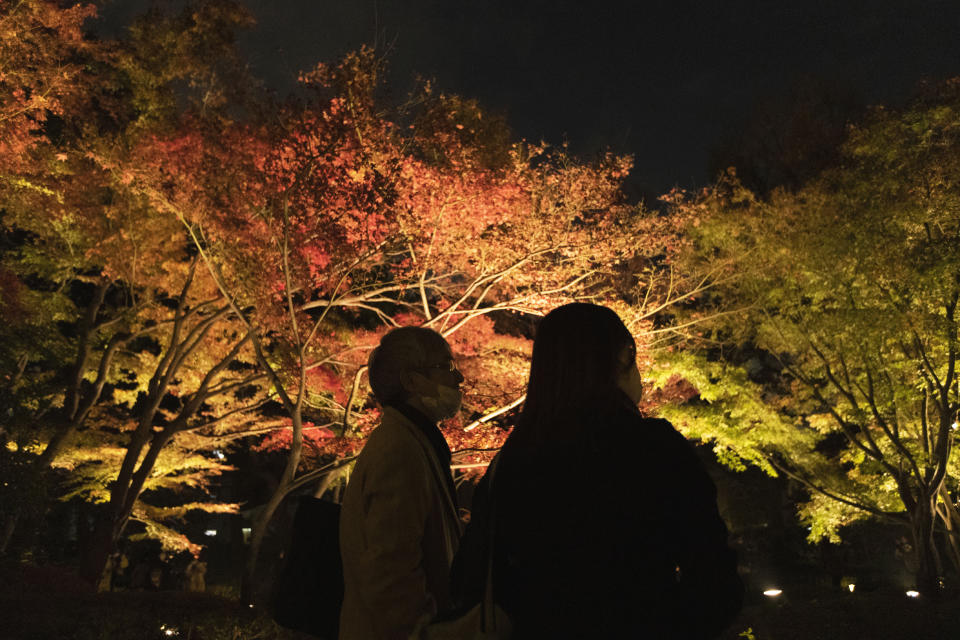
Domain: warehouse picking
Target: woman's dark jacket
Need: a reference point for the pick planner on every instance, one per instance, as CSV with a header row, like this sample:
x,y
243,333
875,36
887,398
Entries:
x,y
614,534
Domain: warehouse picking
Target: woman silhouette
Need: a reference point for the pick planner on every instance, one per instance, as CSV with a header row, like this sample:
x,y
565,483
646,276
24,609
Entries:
x,y
606,524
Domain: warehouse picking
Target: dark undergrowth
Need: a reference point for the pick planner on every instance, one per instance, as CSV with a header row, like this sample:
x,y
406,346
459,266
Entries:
x,y
879,615
51,604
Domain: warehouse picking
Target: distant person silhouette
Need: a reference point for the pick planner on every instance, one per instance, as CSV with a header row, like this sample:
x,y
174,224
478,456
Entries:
x,y
195,575
606,523
399,527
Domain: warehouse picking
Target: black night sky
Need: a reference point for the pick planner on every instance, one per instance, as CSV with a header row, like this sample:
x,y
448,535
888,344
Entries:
x,y
673,83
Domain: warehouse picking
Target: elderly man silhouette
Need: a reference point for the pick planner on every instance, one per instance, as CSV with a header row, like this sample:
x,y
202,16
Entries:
x,y
399,528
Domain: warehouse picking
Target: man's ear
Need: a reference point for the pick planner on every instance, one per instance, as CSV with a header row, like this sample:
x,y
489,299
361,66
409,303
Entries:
x,y
412,382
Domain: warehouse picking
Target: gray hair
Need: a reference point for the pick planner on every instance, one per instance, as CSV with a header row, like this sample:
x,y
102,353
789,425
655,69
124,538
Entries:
x,y
400,351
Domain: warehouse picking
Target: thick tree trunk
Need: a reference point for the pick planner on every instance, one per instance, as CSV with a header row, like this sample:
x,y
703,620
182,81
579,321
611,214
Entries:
x,y
928,563
124,494
102,544
9,526
951,521
247,594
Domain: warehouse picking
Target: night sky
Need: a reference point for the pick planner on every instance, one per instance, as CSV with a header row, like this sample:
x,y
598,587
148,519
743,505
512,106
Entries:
x,y
669,82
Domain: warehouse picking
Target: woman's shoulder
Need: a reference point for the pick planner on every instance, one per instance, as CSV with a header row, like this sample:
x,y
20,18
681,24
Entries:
x,y
631,424
653,441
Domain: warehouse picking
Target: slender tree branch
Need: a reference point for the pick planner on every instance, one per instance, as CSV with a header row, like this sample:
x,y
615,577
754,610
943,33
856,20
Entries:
x,y
353,394
83,348
496,413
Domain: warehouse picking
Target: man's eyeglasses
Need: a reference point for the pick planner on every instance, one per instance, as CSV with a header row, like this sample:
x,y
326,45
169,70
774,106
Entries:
x,y
449,366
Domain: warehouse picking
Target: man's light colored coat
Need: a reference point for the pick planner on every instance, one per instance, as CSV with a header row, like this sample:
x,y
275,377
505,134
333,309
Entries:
x,y
399,531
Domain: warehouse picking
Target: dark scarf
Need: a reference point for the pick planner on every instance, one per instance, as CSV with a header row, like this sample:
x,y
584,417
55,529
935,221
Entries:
x,y
434,437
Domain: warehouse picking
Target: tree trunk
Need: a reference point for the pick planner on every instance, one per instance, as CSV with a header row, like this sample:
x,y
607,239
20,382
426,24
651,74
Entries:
x,y
102,543
928,564
123,495
9,526
951,521
247,594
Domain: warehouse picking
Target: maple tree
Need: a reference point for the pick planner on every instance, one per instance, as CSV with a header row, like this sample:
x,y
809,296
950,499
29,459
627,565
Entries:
x,y
332,224
42,59
850,285
188,263
147,335
201,381
42,56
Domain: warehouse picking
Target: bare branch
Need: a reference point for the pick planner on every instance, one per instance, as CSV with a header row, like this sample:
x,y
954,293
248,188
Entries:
x,y
931,370
353,393
228,386
238,411
473,465
202,393
494,414
466,452
271,429
83,348
873,510
309,477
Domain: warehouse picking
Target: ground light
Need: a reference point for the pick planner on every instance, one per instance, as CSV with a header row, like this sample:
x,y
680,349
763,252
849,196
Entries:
x,y
913,594
851,587
169,631
772,592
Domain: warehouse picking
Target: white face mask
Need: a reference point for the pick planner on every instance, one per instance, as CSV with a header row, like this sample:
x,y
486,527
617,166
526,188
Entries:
x,y
445,404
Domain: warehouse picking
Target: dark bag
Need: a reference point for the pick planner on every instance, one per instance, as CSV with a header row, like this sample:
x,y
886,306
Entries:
x,y
309,591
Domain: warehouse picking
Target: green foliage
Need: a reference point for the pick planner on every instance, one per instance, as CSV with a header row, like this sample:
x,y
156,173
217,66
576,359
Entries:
x,y
190,55
850,284
730,411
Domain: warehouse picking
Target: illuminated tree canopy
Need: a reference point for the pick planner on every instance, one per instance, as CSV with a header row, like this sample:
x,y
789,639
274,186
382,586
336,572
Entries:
x,y
850,286
191,267
188,267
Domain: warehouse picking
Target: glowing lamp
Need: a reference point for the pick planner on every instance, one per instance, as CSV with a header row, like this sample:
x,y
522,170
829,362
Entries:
x,y
913,594
851,587
772,593
210,532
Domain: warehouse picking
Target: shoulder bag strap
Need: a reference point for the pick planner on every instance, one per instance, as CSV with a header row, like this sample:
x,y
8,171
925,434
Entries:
x,y
489,609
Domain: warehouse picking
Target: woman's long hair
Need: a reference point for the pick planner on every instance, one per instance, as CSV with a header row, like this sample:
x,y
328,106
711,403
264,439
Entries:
x,y
576,363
